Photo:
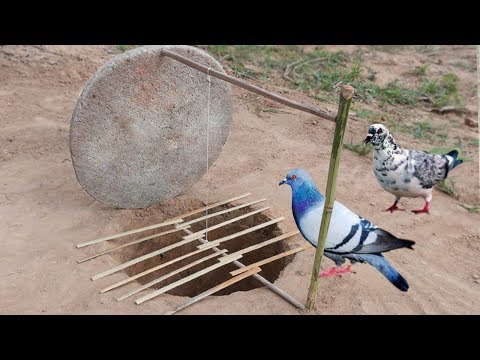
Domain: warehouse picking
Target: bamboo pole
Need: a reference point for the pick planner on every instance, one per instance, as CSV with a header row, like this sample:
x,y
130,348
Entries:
x,y
260,278
269,260
215,289
341,122
205,69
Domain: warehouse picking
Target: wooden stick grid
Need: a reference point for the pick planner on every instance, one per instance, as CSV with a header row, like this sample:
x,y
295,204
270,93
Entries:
x,y
179,223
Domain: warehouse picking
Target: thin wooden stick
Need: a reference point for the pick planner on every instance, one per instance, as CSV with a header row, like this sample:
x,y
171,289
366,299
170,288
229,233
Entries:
x,y
134,231
140,259
143,273
261,279
166,276
211,206
341,123
260,245
183,281
220,213
133,243
213,290
240,233
246,85
269,260
210,228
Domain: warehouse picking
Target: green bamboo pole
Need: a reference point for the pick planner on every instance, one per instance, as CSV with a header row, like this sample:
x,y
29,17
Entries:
x,y
340,124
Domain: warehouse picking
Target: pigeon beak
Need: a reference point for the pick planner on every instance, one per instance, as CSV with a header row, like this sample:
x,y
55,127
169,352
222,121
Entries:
x,y
368,138
284,181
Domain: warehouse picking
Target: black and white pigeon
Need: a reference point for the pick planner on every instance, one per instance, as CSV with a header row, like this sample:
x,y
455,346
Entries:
x,y
407,173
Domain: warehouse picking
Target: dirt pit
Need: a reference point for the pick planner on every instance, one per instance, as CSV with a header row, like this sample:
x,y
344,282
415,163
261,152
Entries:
x,y
270,271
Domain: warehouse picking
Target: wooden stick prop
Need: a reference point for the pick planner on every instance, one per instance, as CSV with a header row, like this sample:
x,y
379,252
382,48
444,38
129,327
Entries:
x,y
215,289
130,232
261,279
210,228
269,260
220,213
143,273
140,258
166,276
341,122
223,202
183,281
133,243
240,233
246,85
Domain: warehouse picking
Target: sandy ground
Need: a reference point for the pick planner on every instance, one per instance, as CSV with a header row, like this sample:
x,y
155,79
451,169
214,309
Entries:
x,y
44,211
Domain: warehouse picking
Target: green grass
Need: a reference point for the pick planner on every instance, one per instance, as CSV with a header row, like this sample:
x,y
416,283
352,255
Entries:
x,y
365,114
443,91
471,208
124,48
394,94
448,187
465,66
421,70
474,142
361,149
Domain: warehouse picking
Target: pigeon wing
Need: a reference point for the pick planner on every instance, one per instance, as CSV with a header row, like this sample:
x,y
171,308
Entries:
x,y
428,168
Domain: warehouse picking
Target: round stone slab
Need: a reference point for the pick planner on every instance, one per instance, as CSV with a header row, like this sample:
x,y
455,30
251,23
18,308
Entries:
x,y
138,133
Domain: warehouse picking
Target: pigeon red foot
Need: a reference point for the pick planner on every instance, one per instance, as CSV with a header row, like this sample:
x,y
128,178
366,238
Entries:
x,y
394,207
335,271
426,209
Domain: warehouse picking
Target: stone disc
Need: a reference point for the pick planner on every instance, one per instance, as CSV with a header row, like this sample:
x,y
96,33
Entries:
x,y
138,133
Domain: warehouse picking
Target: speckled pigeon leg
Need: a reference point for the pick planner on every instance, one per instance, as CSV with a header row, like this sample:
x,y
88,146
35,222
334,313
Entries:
x,y
426,209
394,207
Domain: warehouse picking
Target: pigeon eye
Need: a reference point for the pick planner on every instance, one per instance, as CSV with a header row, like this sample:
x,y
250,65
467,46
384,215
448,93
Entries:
x,y
294,177
379,131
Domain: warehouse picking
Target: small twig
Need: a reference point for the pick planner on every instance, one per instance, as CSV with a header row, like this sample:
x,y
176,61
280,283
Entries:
x,y
296,64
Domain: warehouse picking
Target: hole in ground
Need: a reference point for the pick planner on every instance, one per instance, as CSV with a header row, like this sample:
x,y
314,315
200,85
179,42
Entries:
x,y
269,271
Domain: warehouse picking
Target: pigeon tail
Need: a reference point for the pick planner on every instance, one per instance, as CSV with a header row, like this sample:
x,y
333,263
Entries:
x,y
454,163
382,265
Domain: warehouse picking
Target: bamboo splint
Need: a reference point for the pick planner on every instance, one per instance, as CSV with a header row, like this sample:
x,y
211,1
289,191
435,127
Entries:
x,y
220,213
143,273
222,259
140,258
210,228
259,246
175,220
208,207
170,274
215,289
184,280
130,232
240,233
268,260
133,243
260,278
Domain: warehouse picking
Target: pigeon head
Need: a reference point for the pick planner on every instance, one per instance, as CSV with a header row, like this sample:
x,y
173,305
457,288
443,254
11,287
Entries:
x,y
377,133
296,178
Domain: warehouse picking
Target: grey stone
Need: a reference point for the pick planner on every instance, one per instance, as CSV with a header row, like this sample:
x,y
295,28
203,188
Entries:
x,y
138,133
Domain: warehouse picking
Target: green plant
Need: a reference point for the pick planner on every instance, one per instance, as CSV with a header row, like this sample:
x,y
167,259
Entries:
x,y
421,70
471,208
361,149
364,114
394,93
442,91
124,48
448,187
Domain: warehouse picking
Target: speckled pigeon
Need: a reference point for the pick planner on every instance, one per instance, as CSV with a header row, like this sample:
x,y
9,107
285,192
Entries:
x,y
349,236
407,173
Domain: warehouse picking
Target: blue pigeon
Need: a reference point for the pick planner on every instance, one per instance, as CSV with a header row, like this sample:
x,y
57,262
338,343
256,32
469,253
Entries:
x,y
349,236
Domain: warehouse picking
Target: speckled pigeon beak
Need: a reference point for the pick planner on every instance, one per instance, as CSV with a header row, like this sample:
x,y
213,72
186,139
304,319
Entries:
x,y
284,181
368,138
